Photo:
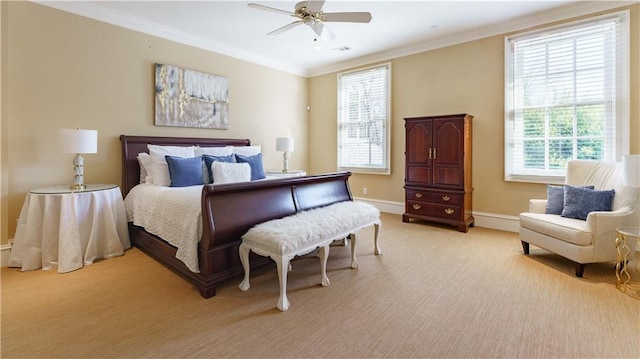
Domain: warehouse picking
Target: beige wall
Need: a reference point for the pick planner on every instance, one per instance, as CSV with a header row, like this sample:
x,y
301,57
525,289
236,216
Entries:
x,y
66,71
466,78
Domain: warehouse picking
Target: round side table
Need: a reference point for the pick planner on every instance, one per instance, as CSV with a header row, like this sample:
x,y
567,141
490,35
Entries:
x,y
623,278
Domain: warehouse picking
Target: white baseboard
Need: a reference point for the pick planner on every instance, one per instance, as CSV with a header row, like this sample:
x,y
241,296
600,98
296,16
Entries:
x,y
482,219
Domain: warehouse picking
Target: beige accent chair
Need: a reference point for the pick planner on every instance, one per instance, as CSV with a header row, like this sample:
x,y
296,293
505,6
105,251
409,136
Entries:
x,y
590,241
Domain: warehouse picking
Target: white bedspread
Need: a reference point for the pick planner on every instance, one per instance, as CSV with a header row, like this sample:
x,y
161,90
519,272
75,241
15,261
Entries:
x,y
172,213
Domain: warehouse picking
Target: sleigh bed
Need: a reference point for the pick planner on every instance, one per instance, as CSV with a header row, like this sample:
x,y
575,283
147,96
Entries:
x,y
228,211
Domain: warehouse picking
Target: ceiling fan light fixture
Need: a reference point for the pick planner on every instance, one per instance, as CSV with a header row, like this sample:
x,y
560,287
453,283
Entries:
x,y
310,14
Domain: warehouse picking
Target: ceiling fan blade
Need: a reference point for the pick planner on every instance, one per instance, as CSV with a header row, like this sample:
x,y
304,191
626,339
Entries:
x,y
322,31
347,16
314,5
285,28
271,9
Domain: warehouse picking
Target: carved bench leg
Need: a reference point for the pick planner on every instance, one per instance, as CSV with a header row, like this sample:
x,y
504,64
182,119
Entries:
x,y
324,255
354,260
244,258
375,238
283,267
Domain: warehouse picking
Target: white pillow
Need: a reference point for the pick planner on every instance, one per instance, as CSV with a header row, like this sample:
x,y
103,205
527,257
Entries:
x,y
247,150
144,160
159,169
213,151
226,172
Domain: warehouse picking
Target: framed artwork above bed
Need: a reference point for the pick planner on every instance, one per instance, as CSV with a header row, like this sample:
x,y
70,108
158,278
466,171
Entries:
x,y
187,98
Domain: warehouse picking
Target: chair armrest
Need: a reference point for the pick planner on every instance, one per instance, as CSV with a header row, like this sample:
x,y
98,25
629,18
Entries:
x,y
603,224
537,205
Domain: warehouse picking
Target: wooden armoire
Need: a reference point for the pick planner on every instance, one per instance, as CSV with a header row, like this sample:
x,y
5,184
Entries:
x,y
438,170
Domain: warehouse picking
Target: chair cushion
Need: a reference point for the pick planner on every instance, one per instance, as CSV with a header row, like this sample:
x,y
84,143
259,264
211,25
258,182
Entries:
x,y
565,229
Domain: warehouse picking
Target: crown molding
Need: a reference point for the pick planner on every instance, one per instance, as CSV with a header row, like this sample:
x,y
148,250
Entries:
x,y
119,19
576,9
90,10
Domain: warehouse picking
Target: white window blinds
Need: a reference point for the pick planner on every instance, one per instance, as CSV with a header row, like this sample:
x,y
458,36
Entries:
x,y
363,119
566,97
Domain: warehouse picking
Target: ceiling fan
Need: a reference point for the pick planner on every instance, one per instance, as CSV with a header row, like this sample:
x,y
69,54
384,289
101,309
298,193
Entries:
x,y
310,13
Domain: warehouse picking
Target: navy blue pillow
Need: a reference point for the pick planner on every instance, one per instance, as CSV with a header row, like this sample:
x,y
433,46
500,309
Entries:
x,y
255,162
579,202
208,160
555,198
184,171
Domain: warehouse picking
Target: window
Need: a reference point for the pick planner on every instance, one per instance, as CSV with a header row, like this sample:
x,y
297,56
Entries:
x,y
566,97
364,98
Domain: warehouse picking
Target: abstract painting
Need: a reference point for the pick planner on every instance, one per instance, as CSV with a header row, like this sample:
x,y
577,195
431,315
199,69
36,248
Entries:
x,y
186,98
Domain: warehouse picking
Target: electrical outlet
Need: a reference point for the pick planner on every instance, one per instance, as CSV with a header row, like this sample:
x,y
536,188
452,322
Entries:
x,y
364,190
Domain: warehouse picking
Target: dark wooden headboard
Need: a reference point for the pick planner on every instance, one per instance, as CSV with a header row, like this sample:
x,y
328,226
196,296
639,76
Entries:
x,y
132,145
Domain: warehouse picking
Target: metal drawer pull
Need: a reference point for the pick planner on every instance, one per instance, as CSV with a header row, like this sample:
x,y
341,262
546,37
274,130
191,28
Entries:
x,y
417,206
448,211
446,198
418,195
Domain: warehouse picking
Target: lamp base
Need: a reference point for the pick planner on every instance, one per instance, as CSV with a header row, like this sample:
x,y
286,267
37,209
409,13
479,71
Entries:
x,y
78,173
285,158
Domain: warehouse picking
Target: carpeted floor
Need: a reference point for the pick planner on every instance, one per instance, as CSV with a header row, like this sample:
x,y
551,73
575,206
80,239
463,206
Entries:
x,y
433,293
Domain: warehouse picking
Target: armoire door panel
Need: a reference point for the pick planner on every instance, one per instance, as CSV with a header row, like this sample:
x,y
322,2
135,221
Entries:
x,y
419,175
419,142
448,177
448,142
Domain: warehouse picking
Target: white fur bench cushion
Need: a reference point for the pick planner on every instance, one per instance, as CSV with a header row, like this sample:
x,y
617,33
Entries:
x,y
304,231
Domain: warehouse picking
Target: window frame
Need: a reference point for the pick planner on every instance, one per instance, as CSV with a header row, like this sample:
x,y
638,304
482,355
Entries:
x,y
382,170
621,123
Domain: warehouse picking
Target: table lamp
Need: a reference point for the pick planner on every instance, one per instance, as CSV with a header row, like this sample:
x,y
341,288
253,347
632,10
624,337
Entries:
x,y
79,142
285,144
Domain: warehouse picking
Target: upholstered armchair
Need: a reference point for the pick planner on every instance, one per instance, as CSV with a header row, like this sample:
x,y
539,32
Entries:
x,y
582,241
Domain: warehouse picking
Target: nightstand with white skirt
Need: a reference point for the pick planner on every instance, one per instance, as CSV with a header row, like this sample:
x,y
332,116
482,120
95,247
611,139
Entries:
x,y
65,229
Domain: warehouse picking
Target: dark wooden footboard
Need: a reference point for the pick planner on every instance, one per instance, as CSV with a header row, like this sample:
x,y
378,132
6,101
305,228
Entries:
x,y
228,211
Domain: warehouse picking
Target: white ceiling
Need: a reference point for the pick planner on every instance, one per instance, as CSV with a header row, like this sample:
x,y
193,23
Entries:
x,y
397,27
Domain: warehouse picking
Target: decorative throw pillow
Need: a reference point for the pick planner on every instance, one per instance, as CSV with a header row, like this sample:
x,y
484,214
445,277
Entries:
x,y
257,170
209,160
185,171
579,202
227,172
555,198
159,170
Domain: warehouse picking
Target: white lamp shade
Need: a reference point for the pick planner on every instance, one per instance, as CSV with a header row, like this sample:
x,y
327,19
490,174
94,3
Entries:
x,y
79,141
284,144
631,170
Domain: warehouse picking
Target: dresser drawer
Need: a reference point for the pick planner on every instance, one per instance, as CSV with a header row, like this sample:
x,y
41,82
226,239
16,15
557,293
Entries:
x,y
434,197
434,210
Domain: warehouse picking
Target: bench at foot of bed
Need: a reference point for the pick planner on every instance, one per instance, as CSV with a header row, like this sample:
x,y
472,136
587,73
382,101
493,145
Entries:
x,y
298,234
